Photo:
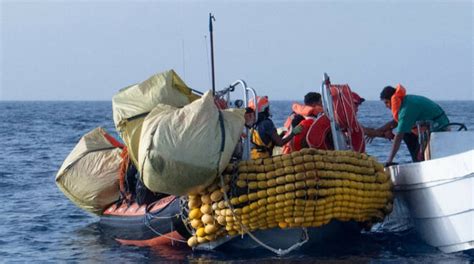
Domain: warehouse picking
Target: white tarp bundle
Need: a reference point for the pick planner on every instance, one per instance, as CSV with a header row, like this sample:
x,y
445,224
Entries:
x,y
132,104
89,175
180,148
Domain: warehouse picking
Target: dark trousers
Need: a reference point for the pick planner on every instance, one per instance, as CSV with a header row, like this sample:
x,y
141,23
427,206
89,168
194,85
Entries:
x,y
411,140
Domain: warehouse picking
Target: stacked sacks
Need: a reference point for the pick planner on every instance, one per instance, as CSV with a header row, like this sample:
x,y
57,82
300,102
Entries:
x,y
182,150
89,176
308,188
133,103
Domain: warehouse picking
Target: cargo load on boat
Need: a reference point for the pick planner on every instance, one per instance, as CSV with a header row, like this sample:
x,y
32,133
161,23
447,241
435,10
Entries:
x,y
133,103
89,175
183,150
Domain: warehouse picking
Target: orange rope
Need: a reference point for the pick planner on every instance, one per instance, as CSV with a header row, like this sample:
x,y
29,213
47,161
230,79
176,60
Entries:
x,y
112,140
123,171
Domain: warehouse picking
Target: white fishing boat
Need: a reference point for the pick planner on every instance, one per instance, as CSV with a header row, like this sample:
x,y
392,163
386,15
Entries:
x,y
438,192
434,196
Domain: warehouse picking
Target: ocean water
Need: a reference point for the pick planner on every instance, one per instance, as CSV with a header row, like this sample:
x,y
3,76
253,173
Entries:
x,y
39,224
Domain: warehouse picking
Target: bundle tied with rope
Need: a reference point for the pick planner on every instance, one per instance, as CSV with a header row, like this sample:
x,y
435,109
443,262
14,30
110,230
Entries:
x,y
308,188
89,176
182,150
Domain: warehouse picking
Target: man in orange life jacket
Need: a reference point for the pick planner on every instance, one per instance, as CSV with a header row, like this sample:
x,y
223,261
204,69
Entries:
x,y
406,111
264,135
311,108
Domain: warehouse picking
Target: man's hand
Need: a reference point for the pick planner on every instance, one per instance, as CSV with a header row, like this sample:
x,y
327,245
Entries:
x,y
388,134
369,139
395,146
371,133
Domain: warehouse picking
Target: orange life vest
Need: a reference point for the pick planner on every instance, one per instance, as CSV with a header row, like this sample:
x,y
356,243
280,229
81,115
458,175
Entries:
x,y
303,110
397,100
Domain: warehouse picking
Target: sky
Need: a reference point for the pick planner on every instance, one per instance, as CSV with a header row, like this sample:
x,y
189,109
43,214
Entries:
x,y
88,50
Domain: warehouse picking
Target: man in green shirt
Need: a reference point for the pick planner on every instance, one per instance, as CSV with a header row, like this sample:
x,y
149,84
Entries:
x,y
406,111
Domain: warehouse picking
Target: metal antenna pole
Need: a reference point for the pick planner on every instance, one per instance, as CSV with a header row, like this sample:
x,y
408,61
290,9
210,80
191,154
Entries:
x,y
211,18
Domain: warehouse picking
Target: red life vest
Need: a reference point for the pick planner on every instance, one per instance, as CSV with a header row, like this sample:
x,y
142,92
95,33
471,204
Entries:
x,y
316,133
317,130
305,111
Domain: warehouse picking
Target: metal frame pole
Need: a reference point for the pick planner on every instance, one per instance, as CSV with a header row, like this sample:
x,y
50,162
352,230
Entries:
x,y
211,18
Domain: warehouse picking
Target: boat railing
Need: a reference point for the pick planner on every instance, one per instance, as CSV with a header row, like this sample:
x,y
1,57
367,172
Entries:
x,y
247,93
444,142
338,137
424,132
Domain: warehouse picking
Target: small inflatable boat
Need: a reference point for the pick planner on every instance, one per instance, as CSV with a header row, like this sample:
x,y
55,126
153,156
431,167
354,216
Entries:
x,y
146,225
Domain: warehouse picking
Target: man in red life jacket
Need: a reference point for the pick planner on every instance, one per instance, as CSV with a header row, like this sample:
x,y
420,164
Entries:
x,y
316,130
311,108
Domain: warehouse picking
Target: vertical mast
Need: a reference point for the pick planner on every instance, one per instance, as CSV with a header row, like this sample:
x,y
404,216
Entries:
x,y
211,18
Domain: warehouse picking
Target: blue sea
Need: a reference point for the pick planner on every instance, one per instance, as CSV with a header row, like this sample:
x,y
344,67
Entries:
x,y
39,224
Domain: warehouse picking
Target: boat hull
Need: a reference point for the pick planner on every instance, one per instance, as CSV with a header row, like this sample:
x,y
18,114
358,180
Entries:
x,y
439,196
134,225
283,239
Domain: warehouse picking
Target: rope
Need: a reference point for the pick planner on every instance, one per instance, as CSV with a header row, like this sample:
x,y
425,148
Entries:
x,y
149,216
348,122
147,223
123,170
184,209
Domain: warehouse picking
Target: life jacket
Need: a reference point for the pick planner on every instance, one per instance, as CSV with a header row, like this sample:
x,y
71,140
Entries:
x,y
316,132
296,142
262,104
345,115
259,148
397,100
305,111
